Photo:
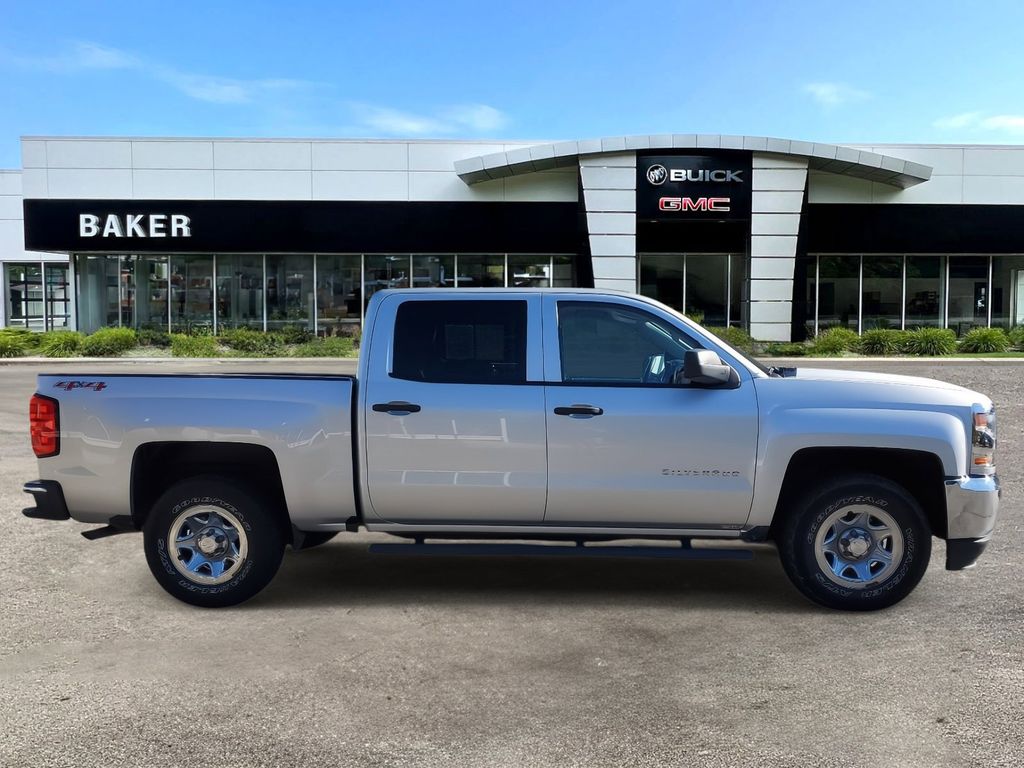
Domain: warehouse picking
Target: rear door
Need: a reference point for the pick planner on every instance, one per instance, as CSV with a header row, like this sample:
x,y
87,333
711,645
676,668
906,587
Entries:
x,y
454,410
626,447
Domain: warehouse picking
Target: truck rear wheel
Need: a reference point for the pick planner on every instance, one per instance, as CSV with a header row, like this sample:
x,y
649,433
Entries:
x,y
858,544
210,544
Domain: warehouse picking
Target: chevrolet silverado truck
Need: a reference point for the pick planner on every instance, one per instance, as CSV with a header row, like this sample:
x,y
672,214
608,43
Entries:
x,y
526,422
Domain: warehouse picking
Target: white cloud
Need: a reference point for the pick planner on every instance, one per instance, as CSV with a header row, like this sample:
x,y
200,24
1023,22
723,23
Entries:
x,y
977,121
447,121
830,94
84,56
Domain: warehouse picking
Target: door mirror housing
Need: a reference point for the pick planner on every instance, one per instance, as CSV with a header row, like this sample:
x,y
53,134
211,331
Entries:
x,y
704,367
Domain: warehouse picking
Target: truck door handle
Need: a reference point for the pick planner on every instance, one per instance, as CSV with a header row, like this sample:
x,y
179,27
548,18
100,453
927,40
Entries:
x,y
396,407
578,410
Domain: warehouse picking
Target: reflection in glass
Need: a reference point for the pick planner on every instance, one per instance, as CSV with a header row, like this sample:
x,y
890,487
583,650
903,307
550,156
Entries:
x,y
838,291
191,293
239,291
338,290
562,273
98,303
290,293
926,291
1007,291
144,291
481,271
433,271
383,271
58,296
529,271
968,292
661,278
739,300
706,287
883,289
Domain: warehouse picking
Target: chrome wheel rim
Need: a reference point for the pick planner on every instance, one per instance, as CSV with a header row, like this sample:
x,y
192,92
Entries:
x,y
858,546
207,544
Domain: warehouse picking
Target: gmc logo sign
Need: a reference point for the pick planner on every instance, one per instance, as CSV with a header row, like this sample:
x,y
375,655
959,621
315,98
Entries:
x,y
716,204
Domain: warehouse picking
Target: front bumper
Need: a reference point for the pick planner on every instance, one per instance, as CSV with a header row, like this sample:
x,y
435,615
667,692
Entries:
x,y
49,499
972,506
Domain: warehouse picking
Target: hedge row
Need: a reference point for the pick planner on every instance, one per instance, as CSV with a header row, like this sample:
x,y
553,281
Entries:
x,y
114,342
925,342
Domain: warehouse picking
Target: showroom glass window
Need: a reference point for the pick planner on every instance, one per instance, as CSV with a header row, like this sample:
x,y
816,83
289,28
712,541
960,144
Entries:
x,y
58,295
433,270
838,291
926,291
882,292
1008,291
289,290
703,285
99,302
968,293
338,291
25,305
191,293
239,290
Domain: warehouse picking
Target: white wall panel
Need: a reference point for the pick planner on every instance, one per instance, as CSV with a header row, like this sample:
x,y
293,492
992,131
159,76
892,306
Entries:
x,y
774,223
825,187
446,186
615,267
34,182
610,200
771,290
611,223
778,202
983,161
89,182
770,331
10,183
192,155
772,268
546,186
771,311
938,189
778,179
262,155
994,190
614,245
263,185
608,178
10,207
772,245
441,156
88,153
615,284
33,153
352,156
173,184
360,185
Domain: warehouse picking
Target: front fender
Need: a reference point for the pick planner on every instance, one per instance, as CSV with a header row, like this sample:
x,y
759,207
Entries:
x,y
784,431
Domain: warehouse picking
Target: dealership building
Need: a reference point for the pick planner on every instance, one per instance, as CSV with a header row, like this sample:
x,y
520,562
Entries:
x,y
778,236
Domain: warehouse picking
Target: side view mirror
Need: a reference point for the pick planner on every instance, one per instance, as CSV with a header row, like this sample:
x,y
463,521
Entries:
x,y
703,366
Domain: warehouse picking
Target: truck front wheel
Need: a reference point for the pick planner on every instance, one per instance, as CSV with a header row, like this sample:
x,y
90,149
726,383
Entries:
x,y
210,544
858,544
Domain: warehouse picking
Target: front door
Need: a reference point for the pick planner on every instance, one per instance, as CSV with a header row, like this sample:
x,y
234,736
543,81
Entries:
x,y
626,447
454,411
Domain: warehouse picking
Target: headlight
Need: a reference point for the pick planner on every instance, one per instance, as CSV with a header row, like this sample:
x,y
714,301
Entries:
x,y
983,441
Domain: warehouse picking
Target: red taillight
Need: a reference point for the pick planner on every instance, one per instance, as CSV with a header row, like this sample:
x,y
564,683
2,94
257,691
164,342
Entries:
x,y
44,426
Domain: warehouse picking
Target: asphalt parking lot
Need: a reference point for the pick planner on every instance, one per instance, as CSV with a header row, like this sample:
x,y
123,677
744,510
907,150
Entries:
x,y
350,659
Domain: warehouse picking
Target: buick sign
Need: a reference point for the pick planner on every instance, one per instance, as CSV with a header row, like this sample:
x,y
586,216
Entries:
x,y
691,187
657,174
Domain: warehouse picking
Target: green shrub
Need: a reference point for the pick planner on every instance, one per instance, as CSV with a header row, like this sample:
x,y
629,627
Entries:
x,y
985,340
332,346
697,316
61,343
109,342
253,342
296,334
12,345
786,349
28,340
183,345
735,337
151,337
882,342
931,341
1016,337
835,341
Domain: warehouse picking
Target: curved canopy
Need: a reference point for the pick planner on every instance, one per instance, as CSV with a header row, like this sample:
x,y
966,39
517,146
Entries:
x,y
825,157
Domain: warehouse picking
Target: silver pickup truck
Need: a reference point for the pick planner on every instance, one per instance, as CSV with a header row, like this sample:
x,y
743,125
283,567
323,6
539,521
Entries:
x,y
560,421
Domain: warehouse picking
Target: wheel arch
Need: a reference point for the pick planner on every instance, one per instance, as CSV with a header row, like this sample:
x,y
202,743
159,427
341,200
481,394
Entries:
x,y
157,466
920,473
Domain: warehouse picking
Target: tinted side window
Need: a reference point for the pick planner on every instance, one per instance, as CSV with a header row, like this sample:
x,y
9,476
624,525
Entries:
x,y
461,342
615,344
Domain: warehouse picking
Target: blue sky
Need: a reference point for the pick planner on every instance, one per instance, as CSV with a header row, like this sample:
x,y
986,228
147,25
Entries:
x,y
864,71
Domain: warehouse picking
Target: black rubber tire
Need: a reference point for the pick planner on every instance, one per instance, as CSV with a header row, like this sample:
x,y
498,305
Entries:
x,y
316,538
797,536
263,529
